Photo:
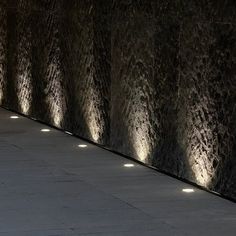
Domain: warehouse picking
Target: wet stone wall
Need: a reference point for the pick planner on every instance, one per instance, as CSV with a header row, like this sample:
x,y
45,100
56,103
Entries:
x,y
151,79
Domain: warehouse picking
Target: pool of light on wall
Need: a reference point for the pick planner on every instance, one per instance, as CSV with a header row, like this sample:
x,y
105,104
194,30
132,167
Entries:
x,y
201,143
94,127
94,117
140,138
55,98
24,92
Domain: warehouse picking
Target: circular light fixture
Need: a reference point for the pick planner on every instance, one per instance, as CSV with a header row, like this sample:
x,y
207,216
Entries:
x,y
82,145
14,117
45,130
128,165
188,190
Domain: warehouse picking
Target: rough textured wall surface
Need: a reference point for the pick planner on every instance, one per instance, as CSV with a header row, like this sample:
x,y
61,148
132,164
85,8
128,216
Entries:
x,y
3,49
152,79
134,127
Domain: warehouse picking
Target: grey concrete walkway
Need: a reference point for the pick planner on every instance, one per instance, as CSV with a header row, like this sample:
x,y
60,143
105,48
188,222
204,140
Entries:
x,y
49,187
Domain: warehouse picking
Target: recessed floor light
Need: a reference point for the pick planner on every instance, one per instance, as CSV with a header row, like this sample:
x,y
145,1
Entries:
x,y
45,130
14,117
128,165
82,145
188,190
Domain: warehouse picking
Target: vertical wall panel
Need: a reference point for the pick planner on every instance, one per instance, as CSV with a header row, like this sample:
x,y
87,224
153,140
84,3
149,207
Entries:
x,y
53,74
168,154
23,64
133,123
206,94
83,69
102,67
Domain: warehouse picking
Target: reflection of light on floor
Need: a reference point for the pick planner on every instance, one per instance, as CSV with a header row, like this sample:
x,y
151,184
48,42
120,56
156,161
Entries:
x,y
55,98
24,91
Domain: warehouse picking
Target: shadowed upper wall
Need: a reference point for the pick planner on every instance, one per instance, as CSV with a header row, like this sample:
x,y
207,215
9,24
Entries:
x,y
154,80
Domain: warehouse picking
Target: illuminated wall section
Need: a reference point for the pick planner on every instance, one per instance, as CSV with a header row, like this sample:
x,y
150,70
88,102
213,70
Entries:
x,y
207,111
133,124
168,153
54,89
24,57
90,71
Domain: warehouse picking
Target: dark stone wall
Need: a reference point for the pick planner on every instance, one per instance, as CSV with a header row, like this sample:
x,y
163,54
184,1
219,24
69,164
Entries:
x,y
152,79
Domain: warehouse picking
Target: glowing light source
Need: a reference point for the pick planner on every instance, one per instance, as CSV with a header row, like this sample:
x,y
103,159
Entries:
x,y
188,190
14,117
82,145
45,130
67,132
128,165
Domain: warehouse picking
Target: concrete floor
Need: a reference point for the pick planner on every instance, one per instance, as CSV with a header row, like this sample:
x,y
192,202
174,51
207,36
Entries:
x,y
50,187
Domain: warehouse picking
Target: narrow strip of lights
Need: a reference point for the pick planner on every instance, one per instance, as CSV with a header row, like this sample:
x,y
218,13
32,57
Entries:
x,y
14,117
128,165
67,132
45,130
188,190
82,145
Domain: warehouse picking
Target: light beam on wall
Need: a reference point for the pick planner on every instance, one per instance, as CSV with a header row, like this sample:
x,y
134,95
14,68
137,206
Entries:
x,y
24,66
140,138
93,125
201,142
94,118
24,91
55,98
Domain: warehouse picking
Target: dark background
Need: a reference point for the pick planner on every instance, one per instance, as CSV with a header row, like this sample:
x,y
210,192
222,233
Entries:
x,y
154,80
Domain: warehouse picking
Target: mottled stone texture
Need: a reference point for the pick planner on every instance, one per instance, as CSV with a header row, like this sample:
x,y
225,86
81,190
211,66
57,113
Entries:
x,y
154,79
134,127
